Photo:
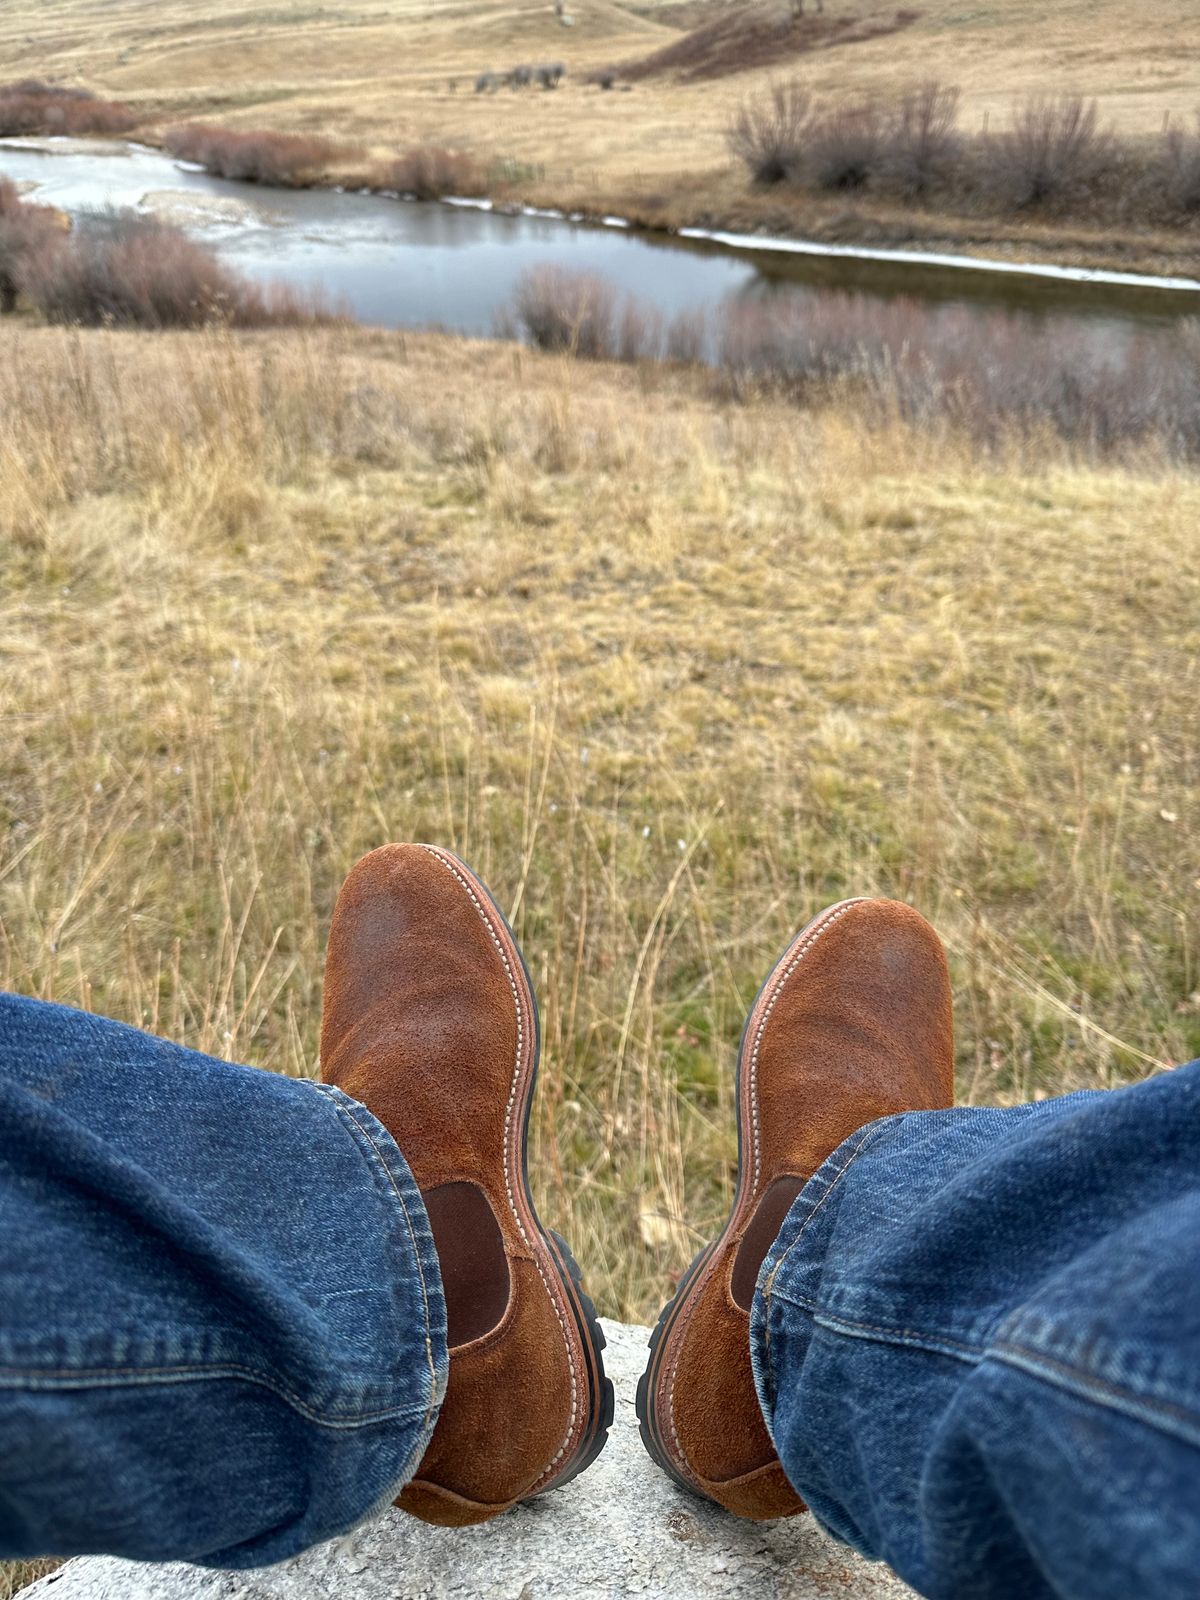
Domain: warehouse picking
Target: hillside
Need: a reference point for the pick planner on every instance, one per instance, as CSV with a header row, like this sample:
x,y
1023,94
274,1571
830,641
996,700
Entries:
x,y
672,671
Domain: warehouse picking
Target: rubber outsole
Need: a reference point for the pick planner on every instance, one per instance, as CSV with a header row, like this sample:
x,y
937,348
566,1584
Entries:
x,y
573,1278
602,1396
647,1425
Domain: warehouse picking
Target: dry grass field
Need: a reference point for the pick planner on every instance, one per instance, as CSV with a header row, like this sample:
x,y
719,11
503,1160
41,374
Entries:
x,y
378,75
671,672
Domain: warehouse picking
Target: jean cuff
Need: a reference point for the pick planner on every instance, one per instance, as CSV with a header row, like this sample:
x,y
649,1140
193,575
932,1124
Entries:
x,y
797,1256
416,1252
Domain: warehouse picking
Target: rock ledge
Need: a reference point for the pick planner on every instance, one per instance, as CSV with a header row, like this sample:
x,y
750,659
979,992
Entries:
x,y
621,1529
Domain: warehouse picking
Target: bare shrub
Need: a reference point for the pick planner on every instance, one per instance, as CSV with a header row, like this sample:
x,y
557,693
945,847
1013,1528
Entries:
x,y
573,311
1179,168
1053,150
31,107
767,136
288,160
923,142
25,230
638,332
687,337
430,172
992,375
127,271
846,145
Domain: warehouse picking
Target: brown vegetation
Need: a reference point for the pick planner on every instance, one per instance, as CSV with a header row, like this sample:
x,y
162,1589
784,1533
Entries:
x,y
431,172
572,311
750,36
288,160
767,134
128,271
25,232
1052,156
1053,151
991,376
31,107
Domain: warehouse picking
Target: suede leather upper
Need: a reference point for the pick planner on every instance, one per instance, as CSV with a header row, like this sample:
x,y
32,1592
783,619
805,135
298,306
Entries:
x,y
428,1022
854,1024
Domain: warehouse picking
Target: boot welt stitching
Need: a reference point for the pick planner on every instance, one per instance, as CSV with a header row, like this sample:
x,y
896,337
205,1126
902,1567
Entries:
x,y
766,1017
508,1185
777,990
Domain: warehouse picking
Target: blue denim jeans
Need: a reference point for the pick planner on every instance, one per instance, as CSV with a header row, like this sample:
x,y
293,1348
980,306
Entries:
x,y
977,1345
222,1332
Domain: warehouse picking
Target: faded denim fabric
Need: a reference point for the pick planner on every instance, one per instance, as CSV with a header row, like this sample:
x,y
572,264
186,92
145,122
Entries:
x,y
977,1345
222,1330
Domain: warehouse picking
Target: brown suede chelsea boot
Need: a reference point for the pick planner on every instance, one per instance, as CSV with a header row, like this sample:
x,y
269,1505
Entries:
x,y
853,1023
430,1022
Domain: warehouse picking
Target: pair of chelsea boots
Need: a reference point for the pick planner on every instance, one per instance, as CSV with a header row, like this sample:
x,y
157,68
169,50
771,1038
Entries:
x,y
430,1022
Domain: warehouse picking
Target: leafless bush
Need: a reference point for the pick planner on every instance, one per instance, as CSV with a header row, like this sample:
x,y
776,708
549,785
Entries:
x,y
922,140
638,333
125,271
25,230
33,107
430,172
572,311
1053,150
687,337
1179,167
768,136
846,146
989,375
289,160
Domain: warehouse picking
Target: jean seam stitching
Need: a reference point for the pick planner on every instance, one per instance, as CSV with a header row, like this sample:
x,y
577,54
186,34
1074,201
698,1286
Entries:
x,y
863,1140
86,1377
887,1334
346,1108
861,1144
1029,1360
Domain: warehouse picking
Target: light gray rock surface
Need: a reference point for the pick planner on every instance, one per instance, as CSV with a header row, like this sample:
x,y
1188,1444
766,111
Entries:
x,y
621,1529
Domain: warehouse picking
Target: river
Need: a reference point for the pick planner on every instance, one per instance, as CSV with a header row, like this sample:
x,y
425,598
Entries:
x,y
454,266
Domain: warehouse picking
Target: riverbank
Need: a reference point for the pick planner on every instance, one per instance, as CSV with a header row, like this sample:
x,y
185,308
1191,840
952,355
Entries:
x,y
721,202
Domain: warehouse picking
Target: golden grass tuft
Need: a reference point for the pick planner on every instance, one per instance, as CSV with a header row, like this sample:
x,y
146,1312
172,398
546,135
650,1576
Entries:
x,y
15,1575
